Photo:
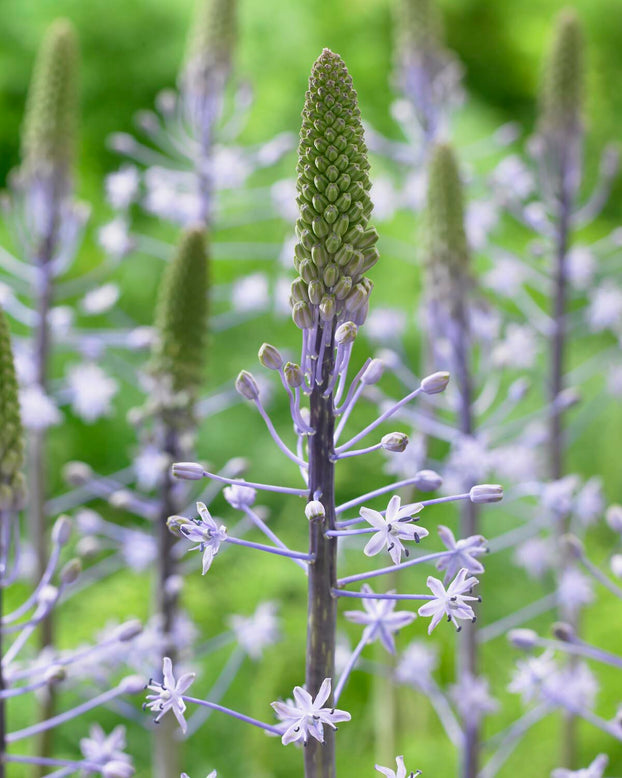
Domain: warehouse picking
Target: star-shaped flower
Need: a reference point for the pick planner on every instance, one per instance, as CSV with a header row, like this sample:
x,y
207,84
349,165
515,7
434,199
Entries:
x,y
400,772
306,717
168,695
464,553
451,602
100,748
392,528
206,533
213,774
595,770
380,620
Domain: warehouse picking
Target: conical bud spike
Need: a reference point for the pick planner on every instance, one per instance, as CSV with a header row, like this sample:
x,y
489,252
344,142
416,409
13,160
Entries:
x,y
11,433
211,40
50,121
419,25
181,315
562,85
333,187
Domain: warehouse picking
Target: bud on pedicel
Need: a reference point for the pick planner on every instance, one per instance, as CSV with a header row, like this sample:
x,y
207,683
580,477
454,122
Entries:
x,y
55,674
613,516
373,372
335,244
484,493
11,435
346,333
246,385
181,314
315,511
70,571
270,357
435,383
77,473
395,441
61,531
564,632
427,481
128,630
176,523
188,471
526,639
293,375
572,546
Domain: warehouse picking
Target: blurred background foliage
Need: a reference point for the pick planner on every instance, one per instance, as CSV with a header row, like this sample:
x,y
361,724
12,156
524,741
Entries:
x,y
131,49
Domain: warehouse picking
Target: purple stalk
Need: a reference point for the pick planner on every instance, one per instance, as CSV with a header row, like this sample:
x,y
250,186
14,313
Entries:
x,y
234,714
322,605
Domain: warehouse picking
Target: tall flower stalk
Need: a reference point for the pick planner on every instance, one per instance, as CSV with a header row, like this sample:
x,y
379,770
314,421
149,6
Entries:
x,y
48,150
561,136
448,283
18,676
329,301
179,358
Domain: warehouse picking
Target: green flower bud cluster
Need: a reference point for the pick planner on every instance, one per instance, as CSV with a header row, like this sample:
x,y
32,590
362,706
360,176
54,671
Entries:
x,y
419,26
447,253
562,86
11,435
212,39
181,315
335,245
49,130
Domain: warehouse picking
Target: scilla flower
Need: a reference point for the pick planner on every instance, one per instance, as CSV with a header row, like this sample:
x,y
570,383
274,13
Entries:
x,y
400,772
305,717
451,602
392,528
168,695
207,533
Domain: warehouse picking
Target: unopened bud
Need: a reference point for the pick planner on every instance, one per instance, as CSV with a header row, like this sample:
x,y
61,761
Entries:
x,y
567,398
616,565
373,372
173,586
77,473
518,389
55,674
236,466
47,596
61,532
175,524
526,639
88,547
572,546
613,517
70,571
128,630
121,499
435,383
132,684
188,471
246,385
314,511
483,493
346,333
270,357
395,441
427,480
302,315
562,631
293,375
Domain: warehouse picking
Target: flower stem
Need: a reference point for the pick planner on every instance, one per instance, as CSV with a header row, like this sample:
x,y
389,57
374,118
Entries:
x,y
322,605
